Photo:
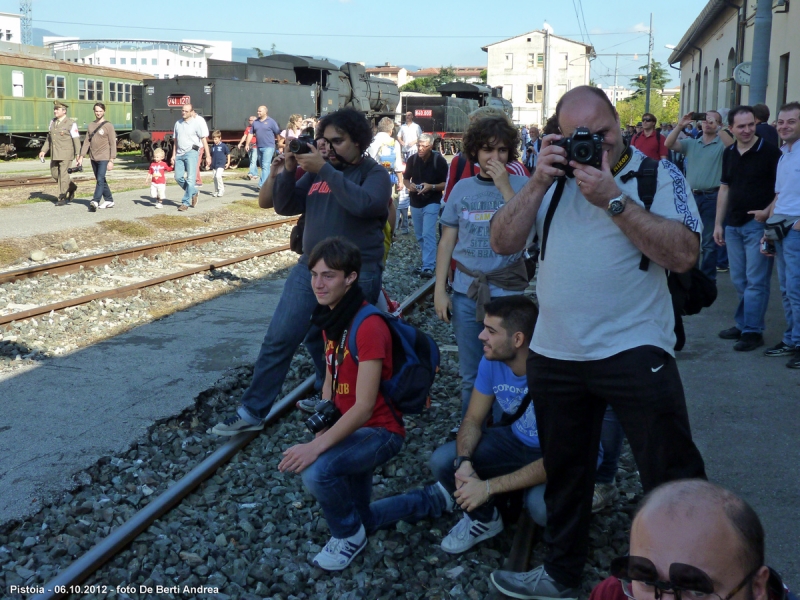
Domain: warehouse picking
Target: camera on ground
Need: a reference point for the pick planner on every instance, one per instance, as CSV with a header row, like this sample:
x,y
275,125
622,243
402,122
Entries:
x,y
325,416
583,147
299,145
77,169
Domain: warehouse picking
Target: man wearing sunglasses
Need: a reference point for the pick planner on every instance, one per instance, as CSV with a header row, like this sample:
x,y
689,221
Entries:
x,y
692,539
649,140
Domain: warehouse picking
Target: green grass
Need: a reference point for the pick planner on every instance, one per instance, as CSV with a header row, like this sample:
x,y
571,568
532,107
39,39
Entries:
x,y
131,229
172,222
247,207
8,254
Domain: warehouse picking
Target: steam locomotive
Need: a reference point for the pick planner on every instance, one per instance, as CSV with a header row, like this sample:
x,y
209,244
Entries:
x,y
232,91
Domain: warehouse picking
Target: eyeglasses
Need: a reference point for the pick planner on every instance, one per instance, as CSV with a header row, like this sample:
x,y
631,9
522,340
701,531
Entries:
x,y
639,578
648,120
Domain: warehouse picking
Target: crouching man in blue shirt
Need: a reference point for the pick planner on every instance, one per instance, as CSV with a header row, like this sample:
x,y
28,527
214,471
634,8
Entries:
x,y
481,464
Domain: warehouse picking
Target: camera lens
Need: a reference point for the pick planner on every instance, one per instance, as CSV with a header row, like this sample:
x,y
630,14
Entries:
x,y
294,145
582,152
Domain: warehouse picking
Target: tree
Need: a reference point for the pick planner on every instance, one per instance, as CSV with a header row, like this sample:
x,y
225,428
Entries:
x,y
631,109
259,53
422,85
484,75
272,49
659,78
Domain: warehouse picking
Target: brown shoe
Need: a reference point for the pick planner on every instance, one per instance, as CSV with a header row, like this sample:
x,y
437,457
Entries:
x,y
183,207
71,190
62,201
194,200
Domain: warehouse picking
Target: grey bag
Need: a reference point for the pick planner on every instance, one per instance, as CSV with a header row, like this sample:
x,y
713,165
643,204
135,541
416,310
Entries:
x,y
777,227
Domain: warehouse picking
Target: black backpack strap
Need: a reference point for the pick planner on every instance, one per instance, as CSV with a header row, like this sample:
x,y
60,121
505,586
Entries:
x,y
647,184
508,420
548,218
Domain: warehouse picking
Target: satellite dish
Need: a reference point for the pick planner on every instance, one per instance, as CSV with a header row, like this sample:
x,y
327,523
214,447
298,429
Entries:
x,y
546,27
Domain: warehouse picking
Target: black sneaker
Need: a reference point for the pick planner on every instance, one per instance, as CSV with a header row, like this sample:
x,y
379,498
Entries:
x,y
309,405
734,333
723,269
794,362
426,273
780,349
748,342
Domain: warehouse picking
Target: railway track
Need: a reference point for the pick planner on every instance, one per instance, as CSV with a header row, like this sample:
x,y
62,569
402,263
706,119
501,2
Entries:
x,y
67,581
95,260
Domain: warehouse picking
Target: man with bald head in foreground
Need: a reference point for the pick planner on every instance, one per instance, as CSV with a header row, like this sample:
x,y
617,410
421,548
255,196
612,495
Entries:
x,y
693,539
605,334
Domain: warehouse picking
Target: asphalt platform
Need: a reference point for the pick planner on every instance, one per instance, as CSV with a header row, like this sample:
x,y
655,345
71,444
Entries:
x,y
60,416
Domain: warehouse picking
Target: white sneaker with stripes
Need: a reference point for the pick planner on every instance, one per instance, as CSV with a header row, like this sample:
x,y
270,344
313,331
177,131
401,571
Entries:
x,y
467,533
339,553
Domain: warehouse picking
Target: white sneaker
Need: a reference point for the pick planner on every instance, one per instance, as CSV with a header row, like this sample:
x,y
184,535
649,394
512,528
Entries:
x,y
467,533
338,554
214,194
159,205
106,204
92,206
449,503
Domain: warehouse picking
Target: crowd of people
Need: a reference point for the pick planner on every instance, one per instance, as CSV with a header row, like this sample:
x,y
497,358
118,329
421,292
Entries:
x,y
548,391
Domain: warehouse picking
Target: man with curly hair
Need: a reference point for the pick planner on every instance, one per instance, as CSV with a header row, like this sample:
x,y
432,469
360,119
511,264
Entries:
x,y
345,195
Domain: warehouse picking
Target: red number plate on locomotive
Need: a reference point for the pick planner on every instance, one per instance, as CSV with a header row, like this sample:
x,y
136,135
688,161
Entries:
x,y
423,112
178,100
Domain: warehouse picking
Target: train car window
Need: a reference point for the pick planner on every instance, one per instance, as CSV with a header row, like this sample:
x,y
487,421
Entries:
x,y
50,86
81,89
90,90
99,90
18,84
112,91
127,92
61,86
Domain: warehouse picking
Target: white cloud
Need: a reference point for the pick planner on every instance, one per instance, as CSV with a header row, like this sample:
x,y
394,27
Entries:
x,y
640,28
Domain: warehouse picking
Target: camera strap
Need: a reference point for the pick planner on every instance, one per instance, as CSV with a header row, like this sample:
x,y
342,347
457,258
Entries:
x,y
338,359
96,129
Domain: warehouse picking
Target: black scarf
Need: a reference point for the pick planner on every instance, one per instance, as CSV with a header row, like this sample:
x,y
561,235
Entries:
x,y
334,322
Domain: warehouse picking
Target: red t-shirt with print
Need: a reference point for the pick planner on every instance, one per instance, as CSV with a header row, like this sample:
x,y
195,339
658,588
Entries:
x,y
158,171
653,146
374,342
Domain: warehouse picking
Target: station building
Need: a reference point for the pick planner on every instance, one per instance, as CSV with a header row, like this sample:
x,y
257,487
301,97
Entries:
x,y
719,39
158,58
535,69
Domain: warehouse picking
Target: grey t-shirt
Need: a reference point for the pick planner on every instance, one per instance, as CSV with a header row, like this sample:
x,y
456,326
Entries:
x,y
471,206
594,301
703,162
190,133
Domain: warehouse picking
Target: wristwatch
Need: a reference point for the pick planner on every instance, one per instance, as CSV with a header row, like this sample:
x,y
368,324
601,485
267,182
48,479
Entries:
x,y
616,205
460,459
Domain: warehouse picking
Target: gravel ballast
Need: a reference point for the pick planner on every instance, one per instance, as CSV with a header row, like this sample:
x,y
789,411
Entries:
x,y
251,531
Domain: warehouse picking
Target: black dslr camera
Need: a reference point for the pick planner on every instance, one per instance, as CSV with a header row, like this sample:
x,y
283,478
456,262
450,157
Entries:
x,y
77,169
583,147
327,414
298,145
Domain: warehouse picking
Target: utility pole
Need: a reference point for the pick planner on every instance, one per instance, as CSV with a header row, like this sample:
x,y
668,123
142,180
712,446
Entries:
x,y
546,82
25,9
649,65
762,32
614,93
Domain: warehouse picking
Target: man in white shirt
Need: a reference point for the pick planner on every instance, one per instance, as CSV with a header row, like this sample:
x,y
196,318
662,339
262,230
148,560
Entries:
x,y
408,136
787,250
189,134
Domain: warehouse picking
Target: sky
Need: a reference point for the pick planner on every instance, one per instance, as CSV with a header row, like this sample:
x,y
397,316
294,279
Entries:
x,y
423,33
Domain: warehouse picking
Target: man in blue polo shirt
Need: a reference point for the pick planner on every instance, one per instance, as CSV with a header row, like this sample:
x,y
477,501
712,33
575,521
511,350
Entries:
x,y
264,129
703,160
747,188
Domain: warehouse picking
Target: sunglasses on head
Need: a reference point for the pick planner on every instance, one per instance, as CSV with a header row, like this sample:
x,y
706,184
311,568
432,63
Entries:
x,y
639,578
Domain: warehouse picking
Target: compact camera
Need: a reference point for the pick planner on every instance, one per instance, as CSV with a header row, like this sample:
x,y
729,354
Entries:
x,y
299,145
420,187
698,116
768,247
326,415
583,147
77,169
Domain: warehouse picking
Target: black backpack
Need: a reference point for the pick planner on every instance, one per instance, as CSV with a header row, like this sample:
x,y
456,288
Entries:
x,y
691,291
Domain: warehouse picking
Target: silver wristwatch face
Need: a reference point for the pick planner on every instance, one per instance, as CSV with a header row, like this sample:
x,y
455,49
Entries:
x,y
616,206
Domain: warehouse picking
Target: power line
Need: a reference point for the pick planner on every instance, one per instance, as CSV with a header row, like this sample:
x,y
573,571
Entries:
x,y
578,19
317,35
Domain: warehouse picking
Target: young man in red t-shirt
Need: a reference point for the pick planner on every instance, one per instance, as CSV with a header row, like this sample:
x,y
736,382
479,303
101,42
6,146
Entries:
x,y
650,141
337,465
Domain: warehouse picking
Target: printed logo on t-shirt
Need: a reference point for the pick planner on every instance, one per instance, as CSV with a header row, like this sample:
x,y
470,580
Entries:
x,y
321,187
477,216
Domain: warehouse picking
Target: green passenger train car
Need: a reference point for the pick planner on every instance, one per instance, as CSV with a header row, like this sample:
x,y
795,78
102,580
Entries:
x,y
30,84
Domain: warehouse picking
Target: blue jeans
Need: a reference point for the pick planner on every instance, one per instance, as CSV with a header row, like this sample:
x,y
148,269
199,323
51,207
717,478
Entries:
x,y
611,438
185,167
265,157
707,207
470,348
499,452
750,274
101,189
425,220
341,478
290,326
253,171
788,254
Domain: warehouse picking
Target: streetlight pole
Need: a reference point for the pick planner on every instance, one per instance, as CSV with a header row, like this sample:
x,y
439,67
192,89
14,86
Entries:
x,y
649,67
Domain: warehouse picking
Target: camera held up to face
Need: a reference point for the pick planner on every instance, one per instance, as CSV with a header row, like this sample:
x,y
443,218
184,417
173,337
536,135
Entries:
x,y
583,147
299,145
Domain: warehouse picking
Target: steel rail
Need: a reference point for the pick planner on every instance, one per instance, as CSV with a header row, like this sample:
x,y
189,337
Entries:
x,y
83,567
135,287
105,550
75,264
